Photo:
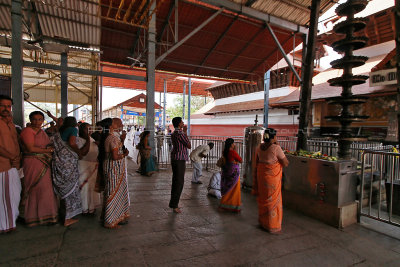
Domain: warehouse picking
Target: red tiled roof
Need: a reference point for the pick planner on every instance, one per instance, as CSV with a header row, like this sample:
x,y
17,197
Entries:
x,y
136,104
201,116
241,106
324,90
380,28
245,51
384,61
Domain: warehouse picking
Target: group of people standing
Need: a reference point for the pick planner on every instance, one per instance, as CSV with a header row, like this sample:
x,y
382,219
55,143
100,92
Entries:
x,y
62,175
267,174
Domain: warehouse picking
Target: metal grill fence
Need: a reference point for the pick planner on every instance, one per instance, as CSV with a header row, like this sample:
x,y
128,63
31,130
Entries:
x,y
379,190
379,187
328,147
164,147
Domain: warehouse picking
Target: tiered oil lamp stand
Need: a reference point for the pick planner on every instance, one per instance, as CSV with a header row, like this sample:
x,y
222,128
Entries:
x,y
347,80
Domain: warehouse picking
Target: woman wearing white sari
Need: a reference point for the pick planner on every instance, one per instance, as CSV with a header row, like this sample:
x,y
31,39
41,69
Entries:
x,y
88,167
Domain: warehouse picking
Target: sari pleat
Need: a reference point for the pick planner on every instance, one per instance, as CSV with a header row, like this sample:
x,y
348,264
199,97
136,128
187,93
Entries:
x,y
231,201
230,188
269,196
38,203
116,193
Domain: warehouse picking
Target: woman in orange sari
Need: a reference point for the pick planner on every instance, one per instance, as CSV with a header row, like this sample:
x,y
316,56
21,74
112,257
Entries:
x,y
230,178
268,182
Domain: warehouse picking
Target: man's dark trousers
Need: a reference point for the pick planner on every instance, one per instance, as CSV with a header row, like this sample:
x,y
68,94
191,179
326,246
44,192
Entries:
x,y
178,179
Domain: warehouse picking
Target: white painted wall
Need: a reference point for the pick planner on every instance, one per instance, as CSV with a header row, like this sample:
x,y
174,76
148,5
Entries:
x,y
276,116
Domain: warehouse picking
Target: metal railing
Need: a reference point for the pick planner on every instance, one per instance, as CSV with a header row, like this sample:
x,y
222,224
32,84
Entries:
x,y
379,189
164,147
328,147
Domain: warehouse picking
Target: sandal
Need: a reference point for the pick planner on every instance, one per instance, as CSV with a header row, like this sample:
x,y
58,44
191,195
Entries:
x,y
177,210
69,222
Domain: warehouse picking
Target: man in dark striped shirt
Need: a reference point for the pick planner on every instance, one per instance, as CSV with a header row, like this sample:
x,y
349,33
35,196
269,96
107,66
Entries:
x,y
179,156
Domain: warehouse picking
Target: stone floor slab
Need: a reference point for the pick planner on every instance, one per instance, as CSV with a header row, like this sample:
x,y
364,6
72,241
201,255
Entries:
x,y
200,236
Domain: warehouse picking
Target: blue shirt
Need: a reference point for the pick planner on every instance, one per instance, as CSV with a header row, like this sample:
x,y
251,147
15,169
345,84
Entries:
x,y
68,132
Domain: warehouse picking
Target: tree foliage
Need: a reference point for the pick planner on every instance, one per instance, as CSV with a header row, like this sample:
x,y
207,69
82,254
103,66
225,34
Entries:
x,y
175,109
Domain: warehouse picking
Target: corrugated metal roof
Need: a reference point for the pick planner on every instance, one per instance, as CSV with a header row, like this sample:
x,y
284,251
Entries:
x,y
233,45
74,22
5,16
296,11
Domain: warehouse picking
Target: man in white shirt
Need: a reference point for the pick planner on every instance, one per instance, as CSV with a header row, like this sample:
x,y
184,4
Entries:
x,y
136,138
197,154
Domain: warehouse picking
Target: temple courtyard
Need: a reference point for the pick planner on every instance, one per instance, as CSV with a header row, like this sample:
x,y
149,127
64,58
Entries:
x,y
200,236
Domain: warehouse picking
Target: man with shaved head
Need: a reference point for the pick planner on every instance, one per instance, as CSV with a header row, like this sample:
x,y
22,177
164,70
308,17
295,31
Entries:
x,y
116,194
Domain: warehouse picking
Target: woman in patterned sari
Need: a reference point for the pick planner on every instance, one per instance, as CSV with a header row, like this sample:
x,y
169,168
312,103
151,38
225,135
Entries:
x,y
65,168
268,182
116,193
38,204
147,164
230,178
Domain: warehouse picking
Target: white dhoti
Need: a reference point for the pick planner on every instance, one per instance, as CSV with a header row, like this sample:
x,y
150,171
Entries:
x,y
197,171
214,187
10,194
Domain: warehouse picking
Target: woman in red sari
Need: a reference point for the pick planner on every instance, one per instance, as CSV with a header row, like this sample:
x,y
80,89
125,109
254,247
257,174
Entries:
x,y
230,178
268,182
38,201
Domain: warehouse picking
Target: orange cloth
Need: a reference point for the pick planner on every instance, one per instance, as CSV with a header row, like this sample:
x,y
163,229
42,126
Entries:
x,y
267,186
9,142
231,201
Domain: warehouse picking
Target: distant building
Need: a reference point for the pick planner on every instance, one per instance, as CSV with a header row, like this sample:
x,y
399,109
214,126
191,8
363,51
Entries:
x,y
236,105
129,110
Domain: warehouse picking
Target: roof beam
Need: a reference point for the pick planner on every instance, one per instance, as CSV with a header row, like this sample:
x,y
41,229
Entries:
x,y
138,33
242,50
266,58
204,67
283,53
217,42
250,2
251,12
38,27
166,22
296,5
198,28
31,64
